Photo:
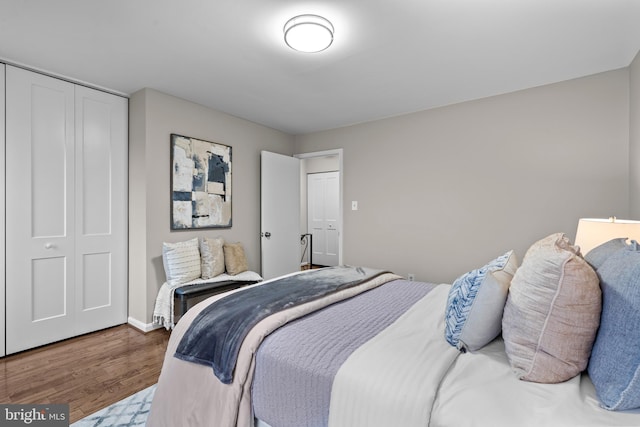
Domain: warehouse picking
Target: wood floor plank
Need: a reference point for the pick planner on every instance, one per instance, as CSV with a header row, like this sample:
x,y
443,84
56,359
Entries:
x,y
89,372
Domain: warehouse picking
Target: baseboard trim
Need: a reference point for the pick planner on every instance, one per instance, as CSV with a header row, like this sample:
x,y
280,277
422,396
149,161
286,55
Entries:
x,y
144,327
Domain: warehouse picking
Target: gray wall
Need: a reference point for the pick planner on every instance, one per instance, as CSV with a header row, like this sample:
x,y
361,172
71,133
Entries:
x,y
440,191
443,191
153,117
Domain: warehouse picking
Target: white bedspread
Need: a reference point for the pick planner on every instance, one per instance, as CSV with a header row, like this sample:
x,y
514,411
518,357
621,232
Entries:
x,y
480,389
392,380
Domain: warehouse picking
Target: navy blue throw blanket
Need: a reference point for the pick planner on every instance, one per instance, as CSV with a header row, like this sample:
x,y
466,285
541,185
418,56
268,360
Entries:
x,y
216,334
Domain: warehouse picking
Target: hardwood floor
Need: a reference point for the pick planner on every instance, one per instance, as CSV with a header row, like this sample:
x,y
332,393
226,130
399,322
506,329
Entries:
x,y
89,372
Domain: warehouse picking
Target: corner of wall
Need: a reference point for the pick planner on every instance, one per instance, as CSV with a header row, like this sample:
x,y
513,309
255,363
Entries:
x,y
153,117
141,326
137,208
634,138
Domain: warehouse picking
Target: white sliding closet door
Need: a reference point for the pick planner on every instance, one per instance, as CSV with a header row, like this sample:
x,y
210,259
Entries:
x,y
66,210
101,209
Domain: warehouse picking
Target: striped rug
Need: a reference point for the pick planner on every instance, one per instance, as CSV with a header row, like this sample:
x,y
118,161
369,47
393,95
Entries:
x,y
129,412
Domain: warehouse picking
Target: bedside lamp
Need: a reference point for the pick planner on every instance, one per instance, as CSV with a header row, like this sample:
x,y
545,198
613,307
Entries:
x,y
595,231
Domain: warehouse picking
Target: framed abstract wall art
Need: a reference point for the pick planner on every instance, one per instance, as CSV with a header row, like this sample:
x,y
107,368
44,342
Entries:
x,y
200,184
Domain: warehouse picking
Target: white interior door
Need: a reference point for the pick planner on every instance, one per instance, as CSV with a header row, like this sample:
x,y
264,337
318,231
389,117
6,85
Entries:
x,y
2,206
323,210
280,214
40,209
101,209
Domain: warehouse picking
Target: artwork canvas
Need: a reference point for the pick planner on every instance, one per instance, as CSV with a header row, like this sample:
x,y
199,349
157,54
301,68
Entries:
x,y
200,184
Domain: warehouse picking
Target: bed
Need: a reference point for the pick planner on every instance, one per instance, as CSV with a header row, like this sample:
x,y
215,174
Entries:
x,y
378,353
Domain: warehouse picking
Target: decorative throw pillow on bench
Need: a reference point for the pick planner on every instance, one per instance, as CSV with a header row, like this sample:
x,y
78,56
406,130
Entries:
x,y
205,258
212,256
235,260
181,261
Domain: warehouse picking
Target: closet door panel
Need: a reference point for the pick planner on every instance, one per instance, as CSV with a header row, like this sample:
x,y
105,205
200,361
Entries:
x,y
48,288
96,281
101,209
40,284
50,170
95,163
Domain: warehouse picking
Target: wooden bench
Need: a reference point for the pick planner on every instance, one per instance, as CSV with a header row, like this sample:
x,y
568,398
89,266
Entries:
x,y
185,293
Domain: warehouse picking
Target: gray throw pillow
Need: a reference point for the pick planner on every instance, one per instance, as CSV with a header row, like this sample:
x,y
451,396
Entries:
x,y
212,256
552,312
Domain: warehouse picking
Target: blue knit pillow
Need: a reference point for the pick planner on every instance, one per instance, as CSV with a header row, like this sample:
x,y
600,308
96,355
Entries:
x,y
614,366
473,316
598,255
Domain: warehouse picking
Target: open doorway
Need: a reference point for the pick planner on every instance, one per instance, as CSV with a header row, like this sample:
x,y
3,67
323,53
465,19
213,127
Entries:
x,y
321,209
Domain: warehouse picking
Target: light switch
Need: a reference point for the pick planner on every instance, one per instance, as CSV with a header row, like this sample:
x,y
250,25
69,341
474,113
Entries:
x,y
354,205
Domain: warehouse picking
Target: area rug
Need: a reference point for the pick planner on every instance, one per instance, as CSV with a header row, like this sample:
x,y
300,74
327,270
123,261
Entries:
x,y
129,412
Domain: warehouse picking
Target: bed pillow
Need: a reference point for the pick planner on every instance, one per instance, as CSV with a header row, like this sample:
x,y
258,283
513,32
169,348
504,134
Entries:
x,y
552,312
598,255
212,256
614,367
234,258
181,261
473,316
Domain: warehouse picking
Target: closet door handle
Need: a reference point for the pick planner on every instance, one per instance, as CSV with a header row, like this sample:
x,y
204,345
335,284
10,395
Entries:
x,y
49,245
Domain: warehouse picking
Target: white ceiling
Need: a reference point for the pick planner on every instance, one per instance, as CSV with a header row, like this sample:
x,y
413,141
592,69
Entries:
x,y
389,57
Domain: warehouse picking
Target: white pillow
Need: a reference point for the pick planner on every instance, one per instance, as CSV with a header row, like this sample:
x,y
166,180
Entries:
x,y
181,261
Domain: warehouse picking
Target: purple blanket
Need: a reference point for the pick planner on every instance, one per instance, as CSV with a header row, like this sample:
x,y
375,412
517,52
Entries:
x,y
296,364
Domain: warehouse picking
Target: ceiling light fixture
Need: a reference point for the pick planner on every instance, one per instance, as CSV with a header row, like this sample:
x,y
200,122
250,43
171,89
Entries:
x,y
308,33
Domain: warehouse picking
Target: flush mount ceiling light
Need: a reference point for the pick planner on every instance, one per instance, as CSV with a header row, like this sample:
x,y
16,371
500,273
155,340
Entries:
x,y
308,33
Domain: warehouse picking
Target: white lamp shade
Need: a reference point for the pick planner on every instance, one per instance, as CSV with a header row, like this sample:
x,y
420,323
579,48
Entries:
x,y
308,33
593,232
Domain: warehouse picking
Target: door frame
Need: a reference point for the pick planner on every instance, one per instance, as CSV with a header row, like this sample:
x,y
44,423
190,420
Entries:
x,y
2,211
339,153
